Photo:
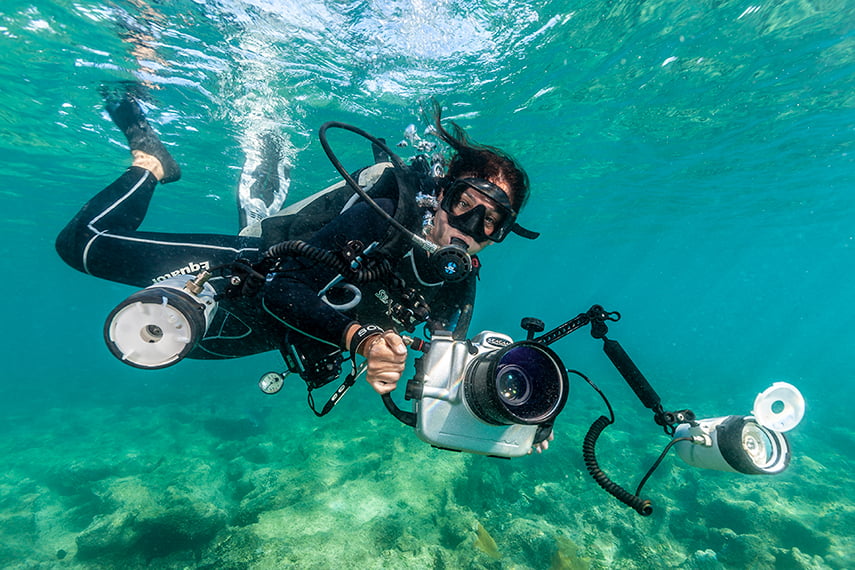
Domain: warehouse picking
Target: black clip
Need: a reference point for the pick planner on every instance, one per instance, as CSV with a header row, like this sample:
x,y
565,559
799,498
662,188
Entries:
x,y
352,252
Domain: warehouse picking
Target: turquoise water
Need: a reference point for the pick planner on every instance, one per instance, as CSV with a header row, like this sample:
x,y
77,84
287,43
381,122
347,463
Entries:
x,y
692,168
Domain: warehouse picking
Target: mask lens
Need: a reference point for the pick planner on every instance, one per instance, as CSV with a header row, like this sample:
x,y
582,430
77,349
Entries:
x,y
469,215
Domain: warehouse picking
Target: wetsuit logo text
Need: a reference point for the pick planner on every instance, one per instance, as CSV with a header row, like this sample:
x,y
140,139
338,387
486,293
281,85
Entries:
x,y
189,269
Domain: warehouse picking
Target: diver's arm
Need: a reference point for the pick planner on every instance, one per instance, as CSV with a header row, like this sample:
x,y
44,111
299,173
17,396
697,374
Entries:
x,y
386,356
295,302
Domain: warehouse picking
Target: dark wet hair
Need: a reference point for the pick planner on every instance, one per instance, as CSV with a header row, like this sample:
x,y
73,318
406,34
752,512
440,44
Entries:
x,y
471,158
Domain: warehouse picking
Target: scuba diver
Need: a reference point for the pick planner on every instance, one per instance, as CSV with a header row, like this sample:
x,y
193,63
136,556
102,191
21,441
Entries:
x,y
348,270
345,271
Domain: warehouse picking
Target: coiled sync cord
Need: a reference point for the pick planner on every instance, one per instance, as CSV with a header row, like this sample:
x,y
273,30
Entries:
x,y
641,506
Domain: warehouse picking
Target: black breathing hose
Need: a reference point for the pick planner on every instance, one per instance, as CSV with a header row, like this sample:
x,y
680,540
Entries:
x,y
379,269
456,259
354,185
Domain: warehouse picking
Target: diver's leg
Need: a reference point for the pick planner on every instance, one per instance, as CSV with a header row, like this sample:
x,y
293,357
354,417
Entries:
x,y
264,180
118,209
102,239
122,206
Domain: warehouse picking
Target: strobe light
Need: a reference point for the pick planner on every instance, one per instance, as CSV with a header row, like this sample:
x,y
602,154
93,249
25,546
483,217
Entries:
x,y
160,325
745,444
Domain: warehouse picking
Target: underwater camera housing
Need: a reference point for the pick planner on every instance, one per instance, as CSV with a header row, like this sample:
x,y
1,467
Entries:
x,y
497,397
488,396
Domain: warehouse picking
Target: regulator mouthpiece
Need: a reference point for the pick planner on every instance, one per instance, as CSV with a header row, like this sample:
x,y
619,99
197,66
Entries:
x,y
452,262
160,325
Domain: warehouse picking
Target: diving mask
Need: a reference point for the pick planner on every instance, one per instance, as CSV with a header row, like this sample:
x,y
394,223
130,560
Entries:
x,y
475,219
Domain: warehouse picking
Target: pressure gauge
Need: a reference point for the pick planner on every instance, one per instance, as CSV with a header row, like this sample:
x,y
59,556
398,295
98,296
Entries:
x,y
271,383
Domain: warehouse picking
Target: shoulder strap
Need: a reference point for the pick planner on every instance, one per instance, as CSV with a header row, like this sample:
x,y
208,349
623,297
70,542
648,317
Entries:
x,y
406,184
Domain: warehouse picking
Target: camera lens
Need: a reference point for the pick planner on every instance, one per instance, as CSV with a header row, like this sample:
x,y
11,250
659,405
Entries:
x,y
512,384
524,383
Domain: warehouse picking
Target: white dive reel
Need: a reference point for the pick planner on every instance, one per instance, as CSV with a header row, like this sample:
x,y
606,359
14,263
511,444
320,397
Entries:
x,y
745,444
161,324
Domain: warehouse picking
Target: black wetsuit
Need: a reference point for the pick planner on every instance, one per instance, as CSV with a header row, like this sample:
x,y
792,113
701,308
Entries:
x,y
103,240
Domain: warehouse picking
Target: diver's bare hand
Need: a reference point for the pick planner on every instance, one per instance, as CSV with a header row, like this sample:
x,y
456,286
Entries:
x,y
386,355
543,445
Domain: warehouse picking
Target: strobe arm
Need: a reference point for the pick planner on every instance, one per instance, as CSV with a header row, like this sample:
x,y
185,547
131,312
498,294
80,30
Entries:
x,y
597,317
594,314
642,388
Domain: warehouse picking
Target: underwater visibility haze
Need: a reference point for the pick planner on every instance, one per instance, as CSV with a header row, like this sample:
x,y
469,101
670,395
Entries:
x,y
691,167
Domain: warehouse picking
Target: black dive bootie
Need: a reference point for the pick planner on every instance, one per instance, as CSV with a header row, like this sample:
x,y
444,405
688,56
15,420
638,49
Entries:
x,y
129,117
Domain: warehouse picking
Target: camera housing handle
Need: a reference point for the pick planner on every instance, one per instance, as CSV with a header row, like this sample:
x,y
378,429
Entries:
x,y
407,418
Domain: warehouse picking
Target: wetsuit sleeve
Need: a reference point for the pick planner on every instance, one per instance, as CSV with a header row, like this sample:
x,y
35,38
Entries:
x,y
291,294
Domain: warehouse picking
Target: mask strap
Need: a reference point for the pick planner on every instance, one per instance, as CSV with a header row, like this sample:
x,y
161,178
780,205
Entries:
x,y
522,232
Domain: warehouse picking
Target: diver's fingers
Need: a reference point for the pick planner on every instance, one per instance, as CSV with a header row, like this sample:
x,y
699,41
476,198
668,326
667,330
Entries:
x,y
543,445
383,382
388,345
386,357
380,363
382,387
395,343
386,354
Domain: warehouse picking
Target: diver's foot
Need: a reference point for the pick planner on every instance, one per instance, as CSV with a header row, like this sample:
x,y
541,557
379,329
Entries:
x,y
129,117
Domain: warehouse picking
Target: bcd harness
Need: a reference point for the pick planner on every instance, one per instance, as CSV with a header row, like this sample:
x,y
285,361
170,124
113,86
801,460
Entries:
x,y
282,237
